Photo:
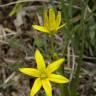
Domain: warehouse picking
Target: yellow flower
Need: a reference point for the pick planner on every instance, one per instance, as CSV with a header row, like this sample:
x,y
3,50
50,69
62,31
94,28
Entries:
x,y
44,74
51,22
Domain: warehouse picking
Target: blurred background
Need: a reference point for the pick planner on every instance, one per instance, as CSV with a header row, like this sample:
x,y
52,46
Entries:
x,y
76,42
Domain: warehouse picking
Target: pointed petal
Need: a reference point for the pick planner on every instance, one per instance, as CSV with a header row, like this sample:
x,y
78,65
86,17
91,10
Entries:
x,y
58,19
30,71
40,28
36,87
46,19
39,60
54,65
52,23
58,78
47,87
62,26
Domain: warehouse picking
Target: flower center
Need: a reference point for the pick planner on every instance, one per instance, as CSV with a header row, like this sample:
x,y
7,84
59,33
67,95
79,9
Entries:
x,y
43,75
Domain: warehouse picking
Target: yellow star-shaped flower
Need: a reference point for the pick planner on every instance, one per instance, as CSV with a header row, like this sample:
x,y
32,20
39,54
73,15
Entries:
x,y
51,22
44,74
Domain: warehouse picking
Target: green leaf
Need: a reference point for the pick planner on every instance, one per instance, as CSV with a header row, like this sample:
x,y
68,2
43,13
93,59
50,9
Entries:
x,y
14,43
16,9
15,66
39,42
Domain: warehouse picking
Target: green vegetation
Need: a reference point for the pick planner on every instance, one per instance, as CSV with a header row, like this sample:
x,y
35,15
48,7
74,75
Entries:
x,y
22,23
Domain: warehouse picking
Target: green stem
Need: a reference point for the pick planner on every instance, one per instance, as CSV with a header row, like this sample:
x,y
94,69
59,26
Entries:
x,y
63,87
61,70
52,49
75,81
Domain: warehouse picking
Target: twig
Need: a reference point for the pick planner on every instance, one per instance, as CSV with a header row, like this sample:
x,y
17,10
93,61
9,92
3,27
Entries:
x,y
73,65
22,1
10,77
86,57
68,54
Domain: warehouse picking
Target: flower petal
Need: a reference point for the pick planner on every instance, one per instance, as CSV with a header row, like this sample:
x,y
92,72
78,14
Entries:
x,y
62,26
47,87
54,65
40,28
58,19
36,87
30,71
52,23
46,19
39,60
58,78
